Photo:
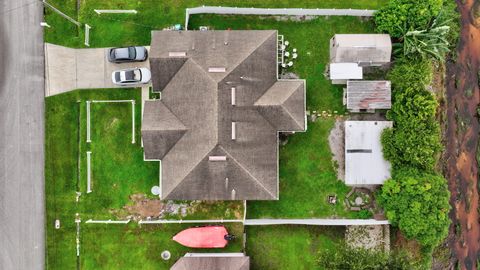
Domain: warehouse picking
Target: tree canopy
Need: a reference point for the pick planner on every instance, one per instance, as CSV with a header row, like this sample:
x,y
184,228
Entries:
x,y
410,74
418,203
400,16
415,139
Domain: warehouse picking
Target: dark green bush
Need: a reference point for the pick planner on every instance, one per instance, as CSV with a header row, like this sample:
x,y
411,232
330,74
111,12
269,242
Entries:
x,y
401,16
418,203
411,74
415,138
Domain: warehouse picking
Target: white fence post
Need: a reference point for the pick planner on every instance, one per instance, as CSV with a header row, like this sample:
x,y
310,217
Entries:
x,y
108,221
133,121
87,35
89,172
88,122
181,221
117,11
187,15
77,238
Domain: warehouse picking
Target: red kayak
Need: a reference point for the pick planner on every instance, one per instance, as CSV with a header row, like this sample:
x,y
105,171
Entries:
x,y
204,237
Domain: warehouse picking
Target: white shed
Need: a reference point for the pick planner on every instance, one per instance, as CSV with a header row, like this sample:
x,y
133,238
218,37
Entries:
x,y
340,73
364,49
364,161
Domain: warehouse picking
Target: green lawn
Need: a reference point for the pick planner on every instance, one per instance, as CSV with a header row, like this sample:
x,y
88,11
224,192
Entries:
x,y
118,169
307,178
135,247
306,171
289,247
127,29
307,175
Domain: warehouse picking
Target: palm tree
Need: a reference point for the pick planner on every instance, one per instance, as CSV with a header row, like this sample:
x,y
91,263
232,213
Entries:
x,y
429,43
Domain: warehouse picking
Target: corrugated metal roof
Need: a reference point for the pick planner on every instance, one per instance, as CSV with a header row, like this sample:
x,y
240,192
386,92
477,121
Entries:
x,y
366,95
364,161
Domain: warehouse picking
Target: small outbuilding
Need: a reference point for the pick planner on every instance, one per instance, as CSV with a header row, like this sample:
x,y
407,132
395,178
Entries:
x,y
368,96
212,261
340,73
364,49
364,161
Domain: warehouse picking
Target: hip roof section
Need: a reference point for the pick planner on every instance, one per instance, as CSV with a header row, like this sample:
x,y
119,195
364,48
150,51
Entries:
x,y
227,150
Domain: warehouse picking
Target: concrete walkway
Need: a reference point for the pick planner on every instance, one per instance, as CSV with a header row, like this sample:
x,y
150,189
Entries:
x,y
258,222
67,69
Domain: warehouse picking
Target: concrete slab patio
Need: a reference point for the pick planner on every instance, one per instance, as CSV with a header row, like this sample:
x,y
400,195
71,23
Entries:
x,y
67,69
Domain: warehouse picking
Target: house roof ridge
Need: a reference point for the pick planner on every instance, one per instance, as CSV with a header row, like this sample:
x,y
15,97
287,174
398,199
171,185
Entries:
x,y
250,53
188,172
246,171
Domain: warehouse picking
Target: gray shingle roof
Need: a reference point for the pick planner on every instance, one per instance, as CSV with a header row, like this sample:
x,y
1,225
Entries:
x,y
279,105
212,263
160,129
201,101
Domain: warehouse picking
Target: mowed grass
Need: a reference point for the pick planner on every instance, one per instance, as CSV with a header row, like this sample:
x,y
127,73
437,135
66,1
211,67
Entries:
x,y
307,177
311,39
307,174
118,169
289,247
128,29
62,171
140,247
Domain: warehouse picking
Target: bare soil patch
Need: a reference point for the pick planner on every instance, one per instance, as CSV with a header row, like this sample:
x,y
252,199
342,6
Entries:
x,y
336,140
368,237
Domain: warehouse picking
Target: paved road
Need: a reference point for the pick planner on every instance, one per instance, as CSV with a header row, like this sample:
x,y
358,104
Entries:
x,y
22,236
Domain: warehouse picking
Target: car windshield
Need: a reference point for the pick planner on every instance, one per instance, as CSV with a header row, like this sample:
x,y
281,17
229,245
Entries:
x,y
137,75
132,52
121,53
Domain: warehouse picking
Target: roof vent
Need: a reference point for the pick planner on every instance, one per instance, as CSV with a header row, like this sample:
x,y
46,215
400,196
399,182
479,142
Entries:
x,y
177,54
217,158
216,69
234,193
233,96
234,135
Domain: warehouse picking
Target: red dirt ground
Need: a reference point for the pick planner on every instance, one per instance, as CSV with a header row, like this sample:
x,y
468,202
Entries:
x,y
462,140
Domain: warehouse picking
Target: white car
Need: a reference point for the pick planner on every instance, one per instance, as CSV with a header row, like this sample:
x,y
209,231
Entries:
x,y
131,76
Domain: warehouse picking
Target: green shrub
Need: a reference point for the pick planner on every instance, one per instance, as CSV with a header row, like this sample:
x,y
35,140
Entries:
x,y
415,138
411,74
363,259
452,16
418,203
401,16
